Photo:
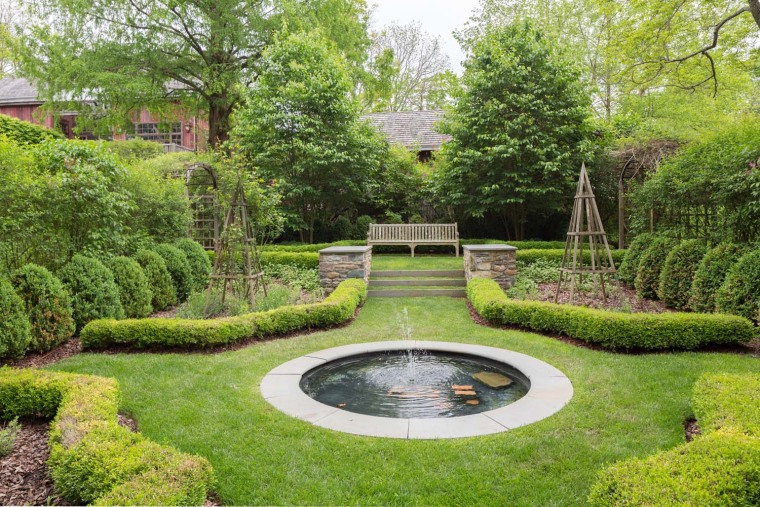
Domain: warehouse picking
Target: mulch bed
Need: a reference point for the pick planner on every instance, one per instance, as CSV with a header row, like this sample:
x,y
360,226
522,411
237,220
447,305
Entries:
x,y
691,429
37,359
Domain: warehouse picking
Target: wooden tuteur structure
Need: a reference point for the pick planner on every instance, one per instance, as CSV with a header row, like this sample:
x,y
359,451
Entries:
x,y
585,226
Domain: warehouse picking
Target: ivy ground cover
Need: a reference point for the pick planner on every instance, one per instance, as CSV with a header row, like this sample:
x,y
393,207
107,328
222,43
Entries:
x,y
624,406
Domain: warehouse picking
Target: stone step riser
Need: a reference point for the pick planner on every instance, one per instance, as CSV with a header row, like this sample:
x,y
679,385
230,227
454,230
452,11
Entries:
x,y
445,282
454,293
418,274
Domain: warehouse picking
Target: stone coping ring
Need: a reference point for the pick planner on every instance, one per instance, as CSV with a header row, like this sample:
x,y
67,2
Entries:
x,y
550,390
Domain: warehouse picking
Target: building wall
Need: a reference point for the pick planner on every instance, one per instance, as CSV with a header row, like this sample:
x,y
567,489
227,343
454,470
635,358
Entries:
x,y
26,112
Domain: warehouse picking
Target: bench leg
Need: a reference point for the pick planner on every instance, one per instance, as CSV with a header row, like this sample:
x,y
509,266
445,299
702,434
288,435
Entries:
x,y
456,250
413,247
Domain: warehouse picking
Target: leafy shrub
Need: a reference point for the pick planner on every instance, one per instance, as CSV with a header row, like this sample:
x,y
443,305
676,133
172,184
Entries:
x,y
630,265
146,333
200,265
614,330
724,400
677,273
740,292
134,150
15,334
134,291
277,295
315,247
650,266
23,132
47,304
8,436
529,256
520,245
305,260
295,277
198,306
92,458
362,227
179,269
160,283
342,228
710,274
94,294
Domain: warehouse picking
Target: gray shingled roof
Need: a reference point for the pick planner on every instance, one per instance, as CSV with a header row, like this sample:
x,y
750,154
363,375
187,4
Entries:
x,y
15,91
415,130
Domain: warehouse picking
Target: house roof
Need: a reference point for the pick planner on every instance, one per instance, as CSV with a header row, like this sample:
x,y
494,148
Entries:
x,y
16,91
415,130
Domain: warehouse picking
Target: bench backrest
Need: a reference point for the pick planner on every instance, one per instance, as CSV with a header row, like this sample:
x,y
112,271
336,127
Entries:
x,y
413,232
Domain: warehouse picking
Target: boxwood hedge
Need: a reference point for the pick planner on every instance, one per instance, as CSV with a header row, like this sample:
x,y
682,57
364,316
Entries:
x,y
179,269
146,333
630,265
613,330
94,294
710,275
648,273
134,290
677,273
740,292
200,264
15,334
719,468
162,289
93,460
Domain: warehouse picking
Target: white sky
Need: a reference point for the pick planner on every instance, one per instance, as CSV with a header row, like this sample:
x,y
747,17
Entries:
x,y
438,18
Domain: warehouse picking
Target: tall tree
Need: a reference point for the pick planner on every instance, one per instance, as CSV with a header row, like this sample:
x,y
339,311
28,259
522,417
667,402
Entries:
x,y
418,62
8,18
135,53
519,130
300,127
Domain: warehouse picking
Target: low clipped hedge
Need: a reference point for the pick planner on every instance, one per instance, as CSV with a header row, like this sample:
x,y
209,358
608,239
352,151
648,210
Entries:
x,y
555,255
160,282
710,275
337,308
677,275
134,290
719,468
613,330
179,269
304,260
94,294
200,264
15,333
47,304
740,292
650,266
93,460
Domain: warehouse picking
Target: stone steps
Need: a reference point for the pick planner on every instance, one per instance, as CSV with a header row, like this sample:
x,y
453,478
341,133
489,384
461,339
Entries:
x,y
416,293
420,283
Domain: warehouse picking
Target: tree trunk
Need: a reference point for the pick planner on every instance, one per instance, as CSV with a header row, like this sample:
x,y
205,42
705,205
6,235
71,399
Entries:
x,y
218,121
754,9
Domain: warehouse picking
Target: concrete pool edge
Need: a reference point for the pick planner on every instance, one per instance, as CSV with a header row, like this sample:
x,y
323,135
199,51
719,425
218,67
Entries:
x,y
550,390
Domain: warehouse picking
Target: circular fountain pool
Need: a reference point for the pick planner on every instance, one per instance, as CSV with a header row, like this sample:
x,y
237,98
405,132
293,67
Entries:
x,y
415,389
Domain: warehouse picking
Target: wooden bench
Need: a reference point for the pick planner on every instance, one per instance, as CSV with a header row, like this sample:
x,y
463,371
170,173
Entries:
x,y
414,235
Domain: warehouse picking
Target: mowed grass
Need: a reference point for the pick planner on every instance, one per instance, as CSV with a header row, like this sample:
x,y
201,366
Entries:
x,y
388,262
624,406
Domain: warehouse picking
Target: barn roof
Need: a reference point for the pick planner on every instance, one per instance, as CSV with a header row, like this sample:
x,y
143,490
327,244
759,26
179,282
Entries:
x,y
15,91
415,130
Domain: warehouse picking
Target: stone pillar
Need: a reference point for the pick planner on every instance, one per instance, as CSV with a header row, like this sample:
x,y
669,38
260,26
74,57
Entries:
x,y
339,263
497,262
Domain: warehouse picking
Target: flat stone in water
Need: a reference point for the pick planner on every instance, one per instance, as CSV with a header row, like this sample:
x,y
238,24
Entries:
x,y
492,379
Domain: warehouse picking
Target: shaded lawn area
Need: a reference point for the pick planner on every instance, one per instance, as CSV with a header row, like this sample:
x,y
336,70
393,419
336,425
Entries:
x,y
624,405
387,262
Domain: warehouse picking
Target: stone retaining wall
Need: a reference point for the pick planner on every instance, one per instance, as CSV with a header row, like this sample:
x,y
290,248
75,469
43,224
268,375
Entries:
x,y
339,263
497,262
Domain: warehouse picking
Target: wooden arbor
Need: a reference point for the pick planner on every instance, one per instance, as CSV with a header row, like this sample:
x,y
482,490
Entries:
x,y
201,187
237,264
585,225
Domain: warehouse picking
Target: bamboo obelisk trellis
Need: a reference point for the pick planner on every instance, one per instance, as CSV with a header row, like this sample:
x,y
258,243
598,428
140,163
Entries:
x,y
585,226
237,231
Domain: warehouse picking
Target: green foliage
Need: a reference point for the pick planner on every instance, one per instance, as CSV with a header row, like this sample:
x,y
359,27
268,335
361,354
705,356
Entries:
x,y
555,255
316,247
198,306
630,265
677,273
15,335
305,260
295,277
277,295
520,245
397,185
159,279
179,269
613,330
134,150
47,304
23,132
300,128
134,291
342,228
710,274
520,129
92,458
362,227
740,292
94,294
200,264
650,265
720,468
8,436
147,333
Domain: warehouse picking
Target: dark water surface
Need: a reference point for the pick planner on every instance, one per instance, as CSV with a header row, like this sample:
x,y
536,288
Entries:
x,y
417,384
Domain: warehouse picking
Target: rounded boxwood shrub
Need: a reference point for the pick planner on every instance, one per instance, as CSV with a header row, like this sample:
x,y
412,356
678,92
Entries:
x,y
200,264
15,334
630,265
159,279
179,269
710,275
94,294
648,274
47,304
740,292
134,290
677,273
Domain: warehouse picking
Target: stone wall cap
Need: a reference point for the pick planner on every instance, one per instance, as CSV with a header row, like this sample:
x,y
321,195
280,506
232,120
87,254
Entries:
x,y
484,248
345,249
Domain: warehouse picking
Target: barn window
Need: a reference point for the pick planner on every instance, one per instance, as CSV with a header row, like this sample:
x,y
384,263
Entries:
x,y
166,133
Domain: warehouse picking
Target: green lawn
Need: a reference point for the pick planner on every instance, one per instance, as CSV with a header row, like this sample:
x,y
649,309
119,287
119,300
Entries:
x,y
624,405
383,262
